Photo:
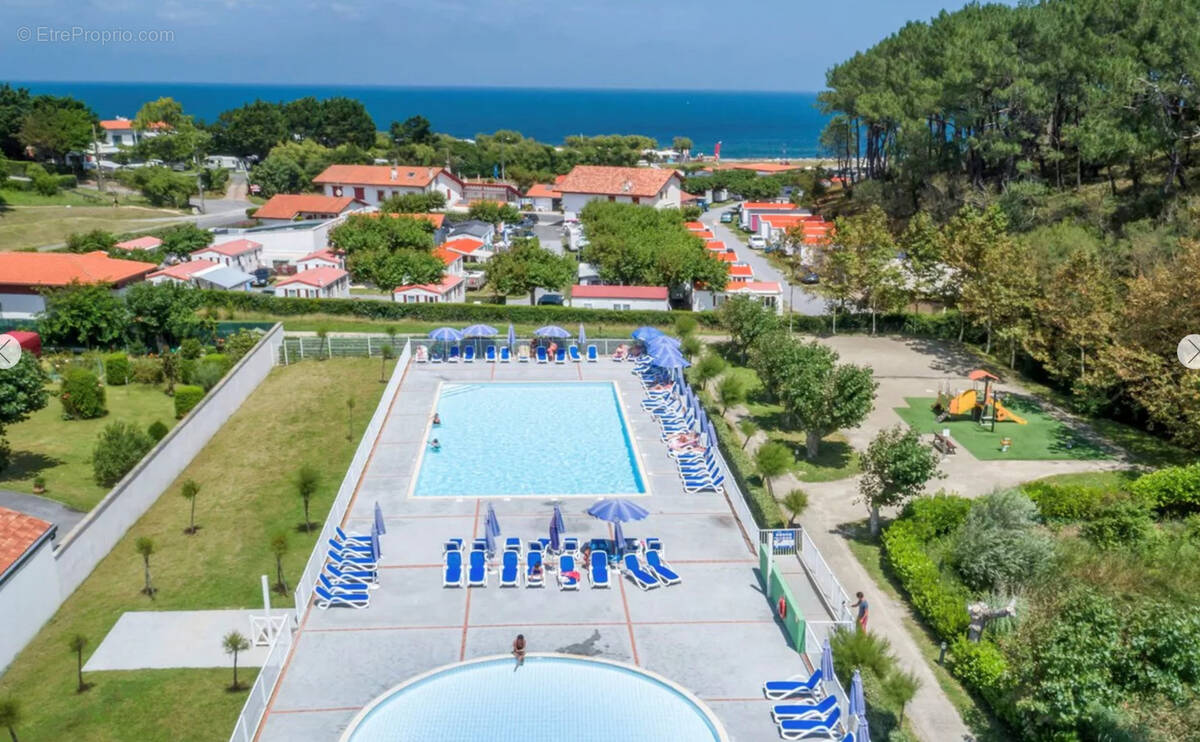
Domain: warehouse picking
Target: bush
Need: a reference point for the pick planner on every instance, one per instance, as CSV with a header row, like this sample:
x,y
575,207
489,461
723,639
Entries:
x,y
116,369
240,343
208,374
82,395
147,370
190,349
936,515
187,368
157,430
981,666
1067,503
186,397
1122,524
999,546
118,449
941,601
1175,489
220,360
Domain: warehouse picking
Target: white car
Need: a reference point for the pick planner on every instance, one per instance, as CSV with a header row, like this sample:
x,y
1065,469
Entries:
x,y
757,243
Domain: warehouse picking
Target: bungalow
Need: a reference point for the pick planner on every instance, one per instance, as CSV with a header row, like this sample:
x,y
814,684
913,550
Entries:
x,y
544,197
752,210
486,189
182,273
619,297
480,230
245,255
318,283
767,292
321,259
474,254
120,132
451,289
655,187
813,230
140,243
223,278
289,207
24,275
373,184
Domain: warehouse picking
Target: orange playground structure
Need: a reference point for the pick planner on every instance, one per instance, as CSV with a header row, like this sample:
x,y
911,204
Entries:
x,y
980,403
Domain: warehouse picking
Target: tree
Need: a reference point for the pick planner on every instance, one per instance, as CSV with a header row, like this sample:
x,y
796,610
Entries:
x,y
86,314
10,716
77,643
748,428
641,245
84,242
682,145
896,467
527,266
349,418
731,391
162,186
414,130
279,548
1074,316
233,643
15,103
795,503
493,213
710,367
119,448
250,130
145,547
691,346
388,252
165,314
308,480
176,138
56,125
773,459
900,687
22,392
170,371
345,121
746,320
183,239
188,492
413,203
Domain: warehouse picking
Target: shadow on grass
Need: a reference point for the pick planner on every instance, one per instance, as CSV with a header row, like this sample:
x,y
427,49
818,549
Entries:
x,y
25,464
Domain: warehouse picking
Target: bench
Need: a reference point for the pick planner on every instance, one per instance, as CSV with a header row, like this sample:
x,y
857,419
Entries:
x,y
944,444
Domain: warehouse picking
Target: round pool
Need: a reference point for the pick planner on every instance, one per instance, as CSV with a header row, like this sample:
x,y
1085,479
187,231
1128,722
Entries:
x,y
551,698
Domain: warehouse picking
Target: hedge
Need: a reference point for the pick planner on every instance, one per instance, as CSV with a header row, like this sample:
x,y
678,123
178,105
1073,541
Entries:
x,y
82,395
763,507
1175,489
983,668
116,369
187,397
941,601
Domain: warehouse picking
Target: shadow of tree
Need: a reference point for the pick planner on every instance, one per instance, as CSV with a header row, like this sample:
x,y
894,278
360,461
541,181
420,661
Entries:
x,y
949,357
26,464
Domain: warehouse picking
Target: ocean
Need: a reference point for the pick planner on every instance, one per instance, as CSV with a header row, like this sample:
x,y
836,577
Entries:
x,y
748,124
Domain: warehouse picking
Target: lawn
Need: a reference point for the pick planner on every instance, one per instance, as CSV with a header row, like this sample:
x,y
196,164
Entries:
x,y
61,450
247,493
1042,438
25,227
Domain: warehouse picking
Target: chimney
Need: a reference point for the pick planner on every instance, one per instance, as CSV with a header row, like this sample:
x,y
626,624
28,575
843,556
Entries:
x,y
394,173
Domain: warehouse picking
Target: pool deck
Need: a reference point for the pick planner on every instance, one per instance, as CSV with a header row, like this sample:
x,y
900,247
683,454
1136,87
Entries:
x,y
714,634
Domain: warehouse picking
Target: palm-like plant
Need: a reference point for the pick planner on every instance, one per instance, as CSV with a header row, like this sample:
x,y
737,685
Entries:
x,y
188,492
772,459
279,547
730,391
795,502
78,643
350,418
748,428
10,716
145,547
860,649
234,643
308,479
900,687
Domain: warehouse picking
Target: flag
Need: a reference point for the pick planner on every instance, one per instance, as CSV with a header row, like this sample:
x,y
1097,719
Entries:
x,y
717,150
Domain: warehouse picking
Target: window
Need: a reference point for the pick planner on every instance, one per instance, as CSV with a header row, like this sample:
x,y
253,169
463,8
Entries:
x,y
379,196
612,198
360,194
637,199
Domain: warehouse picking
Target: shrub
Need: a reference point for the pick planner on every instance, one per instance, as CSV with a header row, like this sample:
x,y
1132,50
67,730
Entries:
x,y
190,349
936,515
157,430
860,649
1175,489
116,369
239,344
1067,503
1122,524
208,374
147,370
981,666
940,600
82,395
5,453
118,449
999,546
187,367
220,360
186,397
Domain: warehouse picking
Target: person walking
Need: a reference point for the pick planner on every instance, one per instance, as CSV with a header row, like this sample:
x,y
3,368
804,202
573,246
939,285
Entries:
x,y
863,606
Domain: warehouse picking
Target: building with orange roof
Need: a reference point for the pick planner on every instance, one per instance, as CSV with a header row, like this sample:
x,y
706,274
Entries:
x,y
761,168
29,582
452,287
120,132
288,207
317,283
544,197
243,254
740,272
751,211
324,258
146,242
374,184
657,187
489,189
620,297
182,273
25,275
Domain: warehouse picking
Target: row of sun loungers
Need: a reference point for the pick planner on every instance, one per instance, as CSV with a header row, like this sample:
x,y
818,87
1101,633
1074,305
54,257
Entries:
x,y
809,712
349,574
471,570
697,466
492,354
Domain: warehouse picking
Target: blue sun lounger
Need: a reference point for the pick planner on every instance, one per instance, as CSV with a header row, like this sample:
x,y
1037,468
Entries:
x,y
560,355
509,568
343,536
477,571
352,547
351,559
573,351
803,728
335,589
566,563
661,570
512,543
326,599
452,356
489,354
505,354
534,557
592,354
778,690
452,572
541,354
358,578
640,577
598,569
818,710
469,354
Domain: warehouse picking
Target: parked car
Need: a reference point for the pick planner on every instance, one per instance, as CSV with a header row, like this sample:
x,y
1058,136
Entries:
x,y
810,278
727,217
550,300
757,242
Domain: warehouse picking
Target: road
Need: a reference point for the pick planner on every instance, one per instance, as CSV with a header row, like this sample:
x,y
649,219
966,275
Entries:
x,y
798,297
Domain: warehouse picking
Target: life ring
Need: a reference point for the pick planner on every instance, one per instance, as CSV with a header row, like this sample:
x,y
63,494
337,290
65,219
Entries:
x,y
782,607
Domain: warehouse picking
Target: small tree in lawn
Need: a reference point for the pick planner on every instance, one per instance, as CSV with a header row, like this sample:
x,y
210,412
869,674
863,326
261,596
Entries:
x,y
773,459
691,346
234,643
323,336
188,492
748,428
896,467
385,355
279,547
308,479
731,391
349,418
145,547
900,687
795,503
10,716
78,643
710,367
170,372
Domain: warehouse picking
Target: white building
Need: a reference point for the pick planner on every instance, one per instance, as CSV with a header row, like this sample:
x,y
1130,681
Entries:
x,y
29,587
318,283
752,210
119,132
767,292
451,289
182,273
655,187
619,297
25,275
285,242
373,184
321,259
543,197
245,255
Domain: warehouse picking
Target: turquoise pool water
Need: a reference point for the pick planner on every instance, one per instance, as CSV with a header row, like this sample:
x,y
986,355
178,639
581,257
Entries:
x,y
529,439
549,699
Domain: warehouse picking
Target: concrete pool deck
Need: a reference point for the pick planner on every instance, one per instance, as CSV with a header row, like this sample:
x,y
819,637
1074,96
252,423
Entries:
x,y
715,634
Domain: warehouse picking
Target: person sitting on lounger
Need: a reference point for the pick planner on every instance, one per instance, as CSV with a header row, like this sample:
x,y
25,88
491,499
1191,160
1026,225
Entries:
x,y
683,440
535,569
571,575
518,650
435,445
437,419
587,555
620,353
550,351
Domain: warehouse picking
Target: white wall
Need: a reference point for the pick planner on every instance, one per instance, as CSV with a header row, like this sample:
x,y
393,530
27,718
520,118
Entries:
x,y
27,599
595,303
286,245
21,306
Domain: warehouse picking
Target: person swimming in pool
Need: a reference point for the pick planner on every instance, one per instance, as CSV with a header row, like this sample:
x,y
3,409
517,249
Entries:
x,y
437,419
435,445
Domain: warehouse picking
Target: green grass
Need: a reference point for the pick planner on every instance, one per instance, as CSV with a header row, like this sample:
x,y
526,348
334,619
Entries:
x,y
1043,438
61,450
26,227
1111,481
975,714
69,197
247,493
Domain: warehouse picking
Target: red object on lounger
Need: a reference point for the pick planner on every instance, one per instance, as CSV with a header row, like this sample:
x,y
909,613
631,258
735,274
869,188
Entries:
x,y
30,342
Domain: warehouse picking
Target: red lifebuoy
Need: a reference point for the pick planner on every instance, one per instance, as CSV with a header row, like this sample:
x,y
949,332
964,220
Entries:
x,y
782,607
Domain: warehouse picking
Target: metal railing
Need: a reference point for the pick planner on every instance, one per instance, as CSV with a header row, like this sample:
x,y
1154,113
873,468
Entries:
x,y
812,650
822,576
264,685
316,561
310,347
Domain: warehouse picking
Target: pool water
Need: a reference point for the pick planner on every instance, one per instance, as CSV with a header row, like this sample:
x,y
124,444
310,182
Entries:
x,y
549,699
529,439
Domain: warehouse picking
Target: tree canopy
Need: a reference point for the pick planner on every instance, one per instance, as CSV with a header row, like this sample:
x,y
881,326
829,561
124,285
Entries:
x,y
641,245
389,250
527,266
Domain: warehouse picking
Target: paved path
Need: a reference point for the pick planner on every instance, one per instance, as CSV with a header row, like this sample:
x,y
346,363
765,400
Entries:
x,y
42,507
165,639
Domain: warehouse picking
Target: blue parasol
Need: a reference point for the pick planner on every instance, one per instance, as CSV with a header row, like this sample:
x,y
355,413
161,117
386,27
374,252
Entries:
x,y
858,705
558,520
551,331
582,336
646,332
375,543
712,434
826,662
619,538
479,331
669,360
512,336
445,334
863,733
379,524
661,346
491,529
554,533
616,510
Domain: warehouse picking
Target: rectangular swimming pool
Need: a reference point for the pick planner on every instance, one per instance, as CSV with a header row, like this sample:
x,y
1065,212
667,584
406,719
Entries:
x,y
529,439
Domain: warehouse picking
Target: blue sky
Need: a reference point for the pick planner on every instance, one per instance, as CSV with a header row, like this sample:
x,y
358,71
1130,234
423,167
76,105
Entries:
x,y
771,45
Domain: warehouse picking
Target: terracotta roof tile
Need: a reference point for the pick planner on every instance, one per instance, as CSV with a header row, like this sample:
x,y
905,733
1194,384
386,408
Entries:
x,y
184,271
616,181
140,243
18,532
448,282
541,190
318,277
288,205
231,249
411,176
60,269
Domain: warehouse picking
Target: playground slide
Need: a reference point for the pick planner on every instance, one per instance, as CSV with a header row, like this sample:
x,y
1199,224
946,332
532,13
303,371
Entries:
x,y
1003,414
963,404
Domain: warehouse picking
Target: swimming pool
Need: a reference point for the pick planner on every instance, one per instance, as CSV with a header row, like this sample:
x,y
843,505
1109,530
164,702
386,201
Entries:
x,y
534,438
550,699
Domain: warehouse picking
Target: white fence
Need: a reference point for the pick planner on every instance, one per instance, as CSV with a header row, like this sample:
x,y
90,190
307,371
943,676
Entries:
x,y
812,650
316,561
264,686
823,577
